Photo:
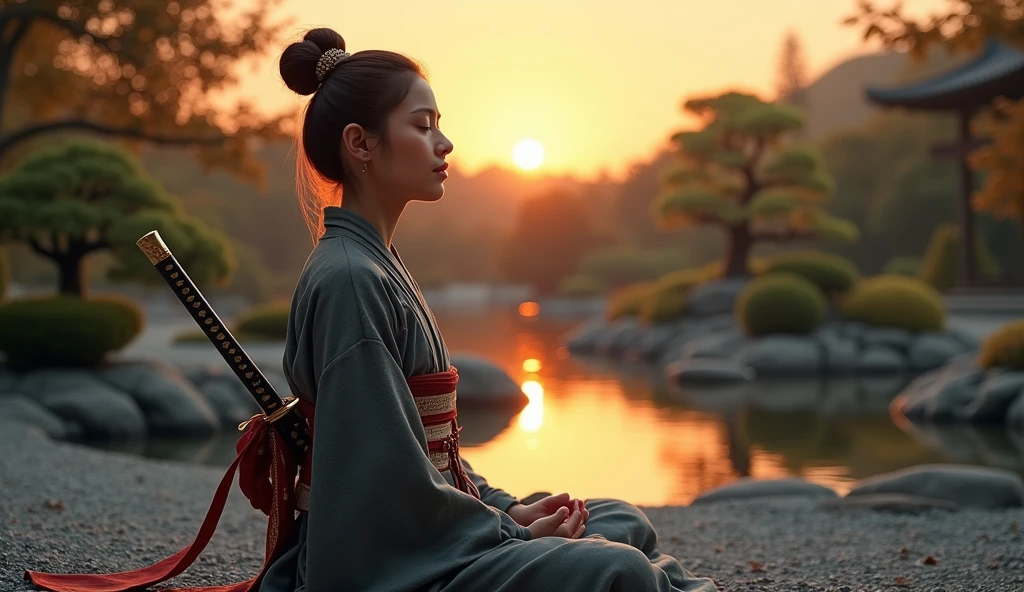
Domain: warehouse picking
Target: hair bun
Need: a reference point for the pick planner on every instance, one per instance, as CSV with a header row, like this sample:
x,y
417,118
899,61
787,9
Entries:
x,y
298,61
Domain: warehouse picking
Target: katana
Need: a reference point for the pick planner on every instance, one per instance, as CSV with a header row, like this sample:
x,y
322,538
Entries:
x,y
283,414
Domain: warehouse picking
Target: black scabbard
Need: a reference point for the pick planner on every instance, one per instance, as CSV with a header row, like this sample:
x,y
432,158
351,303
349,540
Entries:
x,y
283,414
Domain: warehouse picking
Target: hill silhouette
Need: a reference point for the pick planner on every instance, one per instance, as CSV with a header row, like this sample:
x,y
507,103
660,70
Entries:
x,y
836,99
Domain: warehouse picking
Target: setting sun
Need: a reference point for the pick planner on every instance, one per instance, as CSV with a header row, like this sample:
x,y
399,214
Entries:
x,y
528,154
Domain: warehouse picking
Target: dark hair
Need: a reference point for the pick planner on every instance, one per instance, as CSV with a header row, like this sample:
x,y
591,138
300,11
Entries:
x,y
362,88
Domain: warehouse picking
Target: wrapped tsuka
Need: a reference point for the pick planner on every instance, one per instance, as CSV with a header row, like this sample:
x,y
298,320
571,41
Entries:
x,y
284,415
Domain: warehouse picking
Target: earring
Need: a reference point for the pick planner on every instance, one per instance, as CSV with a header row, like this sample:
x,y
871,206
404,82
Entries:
x,y
364,166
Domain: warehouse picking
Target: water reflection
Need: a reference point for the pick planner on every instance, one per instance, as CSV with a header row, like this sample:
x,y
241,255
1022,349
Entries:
x,y
596,430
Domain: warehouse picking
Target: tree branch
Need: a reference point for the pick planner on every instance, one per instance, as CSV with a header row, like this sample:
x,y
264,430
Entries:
x,y
788,234
90,247
7,49
9,140
39,248
28,13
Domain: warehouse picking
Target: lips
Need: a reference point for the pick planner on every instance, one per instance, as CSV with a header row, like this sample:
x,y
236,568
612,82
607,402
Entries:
x,y
441,168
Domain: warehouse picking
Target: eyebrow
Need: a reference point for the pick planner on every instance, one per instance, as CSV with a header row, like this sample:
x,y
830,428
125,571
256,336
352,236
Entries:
x,y
426,110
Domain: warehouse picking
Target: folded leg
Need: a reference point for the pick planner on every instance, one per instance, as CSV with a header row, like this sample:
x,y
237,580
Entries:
x,y
589,564
622,522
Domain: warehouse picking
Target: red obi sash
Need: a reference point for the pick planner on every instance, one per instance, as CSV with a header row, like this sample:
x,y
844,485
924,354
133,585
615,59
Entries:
x,y
270,483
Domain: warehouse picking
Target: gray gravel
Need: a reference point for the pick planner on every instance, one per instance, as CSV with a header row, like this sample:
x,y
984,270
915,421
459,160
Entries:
x,y
70,508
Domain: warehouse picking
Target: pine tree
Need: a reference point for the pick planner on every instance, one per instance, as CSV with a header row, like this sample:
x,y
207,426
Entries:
x,y
740,174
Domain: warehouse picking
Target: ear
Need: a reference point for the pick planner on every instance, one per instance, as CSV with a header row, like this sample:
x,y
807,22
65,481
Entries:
x,y
356,142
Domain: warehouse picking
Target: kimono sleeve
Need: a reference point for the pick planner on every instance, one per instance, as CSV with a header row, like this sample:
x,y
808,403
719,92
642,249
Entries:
x,y
380,514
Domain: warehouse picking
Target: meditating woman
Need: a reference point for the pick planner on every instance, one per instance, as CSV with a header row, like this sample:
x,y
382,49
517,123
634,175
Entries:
x,y
388,503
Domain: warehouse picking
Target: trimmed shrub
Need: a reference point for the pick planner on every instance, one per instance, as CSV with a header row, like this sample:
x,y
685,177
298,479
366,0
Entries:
x,y
667,299
66,331
941,262
265,321
1004,348
896,301
831,273
580,285
780,303
906,265
627,301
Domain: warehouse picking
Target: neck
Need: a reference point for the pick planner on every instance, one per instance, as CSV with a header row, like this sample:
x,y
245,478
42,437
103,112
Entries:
x,y
373,208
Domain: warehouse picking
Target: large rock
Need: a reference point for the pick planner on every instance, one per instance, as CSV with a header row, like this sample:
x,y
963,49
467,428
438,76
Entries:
x,y
653,343
715,298
8,380
483,384
750,488
964,485
838,352
723,343
707,371
171,404
23,410
229,399
89,406
782,355
1015,416
881,359
621,335
896,503
931,350
898,339
939,397
993,398
583,340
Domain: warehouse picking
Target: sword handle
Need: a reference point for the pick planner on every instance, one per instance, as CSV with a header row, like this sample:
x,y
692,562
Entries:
x,y
283,414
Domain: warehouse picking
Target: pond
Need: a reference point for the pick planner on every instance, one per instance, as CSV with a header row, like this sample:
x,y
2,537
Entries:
x,y
598,431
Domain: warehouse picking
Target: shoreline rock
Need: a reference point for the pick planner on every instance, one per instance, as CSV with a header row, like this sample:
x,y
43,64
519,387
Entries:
x,y
962,392
135,400
837,348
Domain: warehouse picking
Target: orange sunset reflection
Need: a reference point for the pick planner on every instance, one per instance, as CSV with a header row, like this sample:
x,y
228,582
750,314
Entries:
x,y
594,433
532,417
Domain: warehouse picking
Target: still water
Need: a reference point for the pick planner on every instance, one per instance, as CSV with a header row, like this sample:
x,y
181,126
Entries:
x,y
599,431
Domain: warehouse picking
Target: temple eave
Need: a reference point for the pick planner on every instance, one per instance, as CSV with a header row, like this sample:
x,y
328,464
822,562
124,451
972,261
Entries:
x,y
998,71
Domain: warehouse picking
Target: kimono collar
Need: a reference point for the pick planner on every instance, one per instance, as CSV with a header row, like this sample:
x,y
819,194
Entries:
x,y
339,221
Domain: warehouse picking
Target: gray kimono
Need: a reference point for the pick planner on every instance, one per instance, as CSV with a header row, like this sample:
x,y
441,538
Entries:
x,y
381,516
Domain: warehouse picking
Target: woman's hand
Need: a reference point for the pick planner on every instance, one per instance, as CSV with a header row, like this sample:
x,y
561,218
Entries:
x,y
547,508
560,524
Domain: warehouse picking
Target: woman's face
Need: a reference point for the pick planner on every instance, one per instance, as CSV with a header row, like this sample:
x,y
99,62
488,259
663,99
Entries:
x,y
415,167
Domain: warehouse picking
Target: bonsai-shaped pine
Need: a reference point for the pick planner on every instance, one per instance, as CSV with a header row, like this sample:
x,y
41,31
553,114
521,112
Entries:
x,y
739,173
82,197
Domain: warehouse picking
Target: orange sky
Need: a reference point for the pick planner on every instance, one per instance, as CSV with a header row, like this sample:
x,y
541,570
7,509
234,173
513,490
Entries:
x,y
598,85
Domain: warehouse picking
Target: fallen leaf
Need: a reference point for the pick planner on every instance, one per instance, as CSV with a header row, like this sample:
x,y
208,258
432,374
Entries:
x,y
676,540
901,581
718,549
928,560
55,504
904,553
755,566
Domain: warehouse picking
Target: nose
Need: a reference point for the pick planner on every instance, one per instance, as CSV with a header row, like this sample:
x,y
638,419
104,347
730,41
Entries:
x,y
444,147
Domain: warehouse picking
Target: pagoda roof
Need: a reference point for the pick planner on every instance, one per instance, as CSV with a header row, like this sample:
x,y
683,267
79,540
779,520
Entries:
x,y
998,71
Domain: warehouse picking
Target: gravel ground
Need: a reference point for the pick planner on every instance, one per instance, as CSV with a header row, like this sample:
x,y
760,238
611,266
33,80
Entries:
x,y
68,508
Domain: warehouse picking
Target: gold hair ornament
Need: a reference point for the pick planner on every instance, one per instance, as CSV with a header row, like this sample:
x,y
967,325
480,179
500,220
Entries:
x,y
328,61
